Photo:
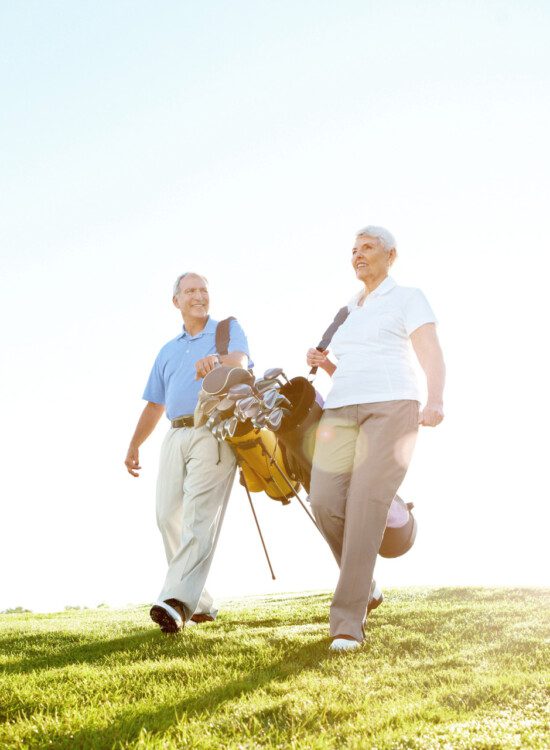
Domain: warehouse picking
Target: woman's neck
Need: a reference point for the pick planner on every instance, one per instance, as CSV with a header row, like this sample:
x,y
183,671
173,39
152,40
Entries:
x,y
370,286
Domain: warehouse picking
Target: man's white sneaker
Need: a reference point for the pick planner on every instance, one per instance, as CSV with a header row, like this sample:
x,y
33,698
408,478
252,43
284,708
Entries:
x,y
344,644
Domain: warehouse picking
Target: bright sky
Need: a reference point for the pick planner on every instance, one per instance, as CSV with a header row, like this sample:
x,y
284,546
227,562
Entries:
x,y
248,141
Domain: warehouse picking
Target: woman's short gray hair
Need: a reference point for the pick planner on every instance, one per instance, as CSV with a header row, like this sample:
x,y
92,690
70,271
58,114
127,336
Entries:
x,y
182,276
385,237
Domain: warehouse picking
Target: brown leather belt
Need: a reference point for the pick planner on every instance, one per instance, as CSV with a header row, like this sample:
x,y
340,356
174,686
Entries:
x,y
185,421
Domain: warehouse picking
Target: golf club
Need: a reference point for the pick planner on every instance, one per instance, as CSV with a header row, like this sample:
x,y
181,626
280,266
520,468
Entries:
x,y
276,417
262,385
273,399
241,390
232,424
274,373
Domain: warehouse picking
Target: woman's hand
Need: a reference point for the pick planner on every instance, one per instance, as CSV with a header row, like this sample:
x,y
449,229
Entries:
x,y
427,348
315,358
431,415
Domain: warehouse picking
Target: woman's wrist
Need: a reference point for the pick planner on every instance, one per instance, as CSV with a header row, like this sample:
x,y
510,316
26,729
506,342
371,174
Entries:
x,y
435,404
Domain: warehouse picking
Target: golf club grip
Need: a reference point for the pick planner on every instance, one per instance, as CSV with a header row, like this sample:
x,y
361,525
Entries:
x,y
314,369
339,318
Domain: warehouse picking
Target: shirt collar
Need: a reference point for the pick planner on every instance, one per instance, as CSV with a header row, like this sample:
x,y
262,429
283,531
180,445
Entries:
x,y
210,327
382,288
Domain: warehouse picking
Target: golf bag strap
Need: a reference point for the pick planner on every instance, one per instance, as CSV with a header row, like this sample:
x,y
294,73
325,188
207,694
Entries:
x,y
222,335
339,318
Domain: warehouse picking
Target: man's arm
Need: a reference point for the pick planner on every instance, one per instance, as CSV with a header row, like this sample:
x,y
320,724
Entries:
x,y
233,359
146,424
428,350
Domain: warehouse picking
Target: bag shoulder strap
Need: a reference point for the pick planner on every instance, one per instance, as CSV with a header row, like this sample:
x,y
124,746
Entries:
x,y
222,335
339,318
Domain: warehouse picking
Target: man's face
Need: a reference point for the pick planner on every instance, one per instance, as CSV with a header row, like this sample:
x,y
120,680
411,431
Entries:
x,y
192,299
369,258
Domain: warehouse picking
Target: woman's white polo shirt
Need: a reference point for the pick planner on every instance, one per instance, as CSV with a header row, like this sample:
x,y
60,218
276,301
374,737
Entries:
x,y
373,347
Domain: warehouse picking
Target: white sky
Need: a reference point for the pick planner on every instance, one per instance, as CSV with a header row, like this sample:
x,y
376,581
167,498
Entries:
x,y
248,141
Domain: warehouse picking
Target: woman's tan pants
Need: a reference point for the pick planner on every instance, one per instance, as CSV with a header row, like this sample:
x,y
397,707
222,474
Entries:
x,y
361,457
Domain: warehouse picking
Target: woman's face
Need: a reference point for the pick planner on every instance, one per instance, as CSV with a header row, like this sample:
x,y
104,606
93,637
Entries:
x,y
369,258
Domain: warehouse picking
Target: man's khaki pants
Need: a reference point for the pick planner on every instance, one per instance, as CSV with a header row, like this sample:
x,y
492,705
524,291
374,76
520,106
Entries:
x,y
195,479
361,457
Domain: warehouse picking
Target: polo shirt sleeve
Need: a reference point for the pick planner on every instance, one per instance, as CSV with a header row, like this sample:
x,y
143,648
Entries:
x,y
237,340
154,390
417,311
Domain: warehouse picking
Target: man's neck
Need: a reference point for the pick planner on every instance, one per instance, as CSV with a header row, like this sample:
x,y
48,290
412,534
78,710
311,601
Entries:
x,y
193,326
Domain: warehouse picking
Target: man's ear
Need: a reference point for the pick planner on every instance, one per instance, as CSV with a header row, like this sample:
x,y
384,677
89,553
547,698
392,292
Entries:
x,y
392,255
175,302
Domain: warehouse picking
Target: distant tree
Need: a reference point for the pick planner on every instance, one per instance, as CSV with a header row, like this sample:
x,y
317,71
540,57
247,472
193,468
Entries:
x,y
15,611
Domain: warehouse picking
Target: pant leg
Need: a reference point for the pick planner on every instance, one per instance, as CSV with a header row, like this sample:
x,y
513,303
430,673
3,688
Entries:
x,y
207,485
169,501
331,473
387,435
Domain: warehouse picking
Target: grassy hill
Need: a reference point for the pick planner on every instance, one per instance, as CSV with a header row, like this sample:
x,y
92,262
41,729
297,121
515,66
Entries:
x,y
453,669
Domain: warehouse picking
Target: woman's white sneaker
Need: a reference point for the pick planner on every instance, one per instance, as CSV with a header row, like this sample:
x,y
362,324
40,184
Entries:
x,y
344,644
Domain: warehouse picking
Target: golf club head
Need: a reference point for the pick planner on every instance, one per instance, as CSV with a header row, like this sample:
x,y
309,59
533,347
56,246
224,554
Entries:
x,y
244,403
270,398
251,411
274,419
232,425
226,404
262,385
259,420
213,420
281,401
239,414
209,405
274,373
241,390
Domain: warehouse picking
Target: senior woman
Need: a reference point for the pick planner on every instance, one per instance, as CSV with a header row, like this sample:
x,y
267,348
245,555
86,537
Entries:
x,y
368,429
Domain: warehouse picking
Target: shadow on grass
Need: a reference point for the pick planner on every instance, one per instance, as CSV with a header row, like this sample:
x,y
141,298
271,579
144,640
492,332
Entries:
x,y
127,726
39,650
44,651
279,622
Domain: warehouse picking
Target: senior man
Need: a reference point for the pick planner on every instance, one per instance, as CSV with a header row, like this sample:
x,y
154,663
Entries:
x,y
195,473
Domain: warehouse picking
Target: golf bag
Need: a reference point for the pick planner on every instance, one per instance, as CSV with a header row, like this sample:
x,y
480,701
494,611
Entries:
x,y
262,463
259,456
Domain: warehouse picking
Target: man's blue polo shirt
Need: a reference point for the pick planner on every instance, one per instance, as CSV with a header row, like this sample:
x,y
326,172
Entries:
x,y
172,379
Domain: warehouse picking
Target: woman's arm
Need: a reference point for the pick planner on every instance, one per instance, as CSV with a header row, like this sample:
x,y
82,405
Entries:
x,y
428,350
315,358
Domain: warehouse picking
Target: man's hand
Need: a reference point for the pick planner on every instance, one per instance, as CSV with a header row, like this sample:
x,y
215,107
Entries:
x,y
431,415
206,365
132,461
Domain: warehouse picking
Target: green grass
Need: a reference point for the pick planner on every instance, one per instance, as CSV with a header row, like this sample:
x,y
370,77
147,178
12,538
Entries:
x,y
453,669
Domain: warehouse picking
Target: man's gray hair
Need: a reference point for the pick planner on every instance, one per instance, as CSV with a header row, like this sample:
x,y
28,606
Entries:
x,y
385,237
182,276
